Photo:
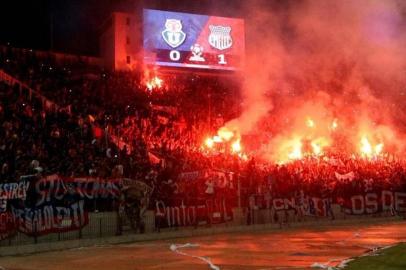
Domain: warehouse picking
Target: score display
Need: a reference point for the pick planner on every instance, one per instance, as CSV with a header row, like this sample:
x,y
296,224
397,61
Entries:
x,y
190,40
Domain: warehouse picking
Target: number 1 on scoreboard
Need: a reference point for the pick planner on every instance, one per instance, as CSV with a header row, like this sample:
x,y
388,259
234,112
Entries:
x,y
222,59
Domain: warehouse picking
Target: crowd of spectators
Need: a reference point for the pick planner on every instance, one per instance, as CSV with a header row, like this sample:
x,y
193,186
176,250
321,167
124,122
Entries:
x,y
108,124
103,124
36,140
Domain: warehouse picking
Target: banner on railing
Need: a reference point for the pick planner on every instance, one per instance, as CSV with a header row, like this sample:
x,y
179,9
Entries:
x,y
357,204
38,206
305,206
375,202
186,212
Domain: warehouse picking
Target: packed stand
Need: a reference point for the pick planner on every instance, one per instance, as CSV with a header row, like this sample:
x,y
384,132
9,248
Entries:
x,y
110,125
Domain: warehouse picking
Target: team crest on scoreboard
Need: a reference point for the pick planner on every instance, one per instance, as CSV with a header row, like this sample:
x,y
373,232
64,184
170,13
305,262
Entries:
x,y
220,37
173,34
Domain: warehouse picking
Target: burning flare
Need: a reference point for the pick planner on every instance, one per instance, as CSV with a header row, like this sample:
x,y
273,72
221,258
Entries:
x,y
296,152
225,134
318,145
310,122
236,146
334,125
378,148
368,150
209,142
316,149
154,83
226,139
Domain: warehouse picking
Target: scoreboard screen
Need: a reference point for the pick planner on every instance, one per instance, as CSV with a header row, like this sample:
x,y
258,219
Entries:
x,y
189,40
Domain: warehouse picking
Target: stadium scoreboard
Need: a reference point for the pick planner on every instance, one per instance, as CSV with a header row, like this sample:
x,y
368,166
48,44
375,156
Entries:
x,y
189,40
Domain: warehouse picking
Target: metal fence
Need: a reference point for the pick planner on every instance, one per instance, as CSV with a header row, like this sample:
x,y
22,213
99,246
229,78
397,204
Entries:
x,y
103,224
108,224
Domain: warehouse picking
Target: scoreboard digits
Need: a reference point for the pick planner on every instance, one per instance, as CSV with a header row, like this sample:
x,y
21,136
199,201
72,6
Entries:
x,y
174,55
222,60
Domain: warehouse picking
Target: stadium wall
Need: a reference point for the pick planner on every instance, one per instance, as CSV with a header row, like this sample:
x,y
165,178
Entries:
x,y
93,236
103,229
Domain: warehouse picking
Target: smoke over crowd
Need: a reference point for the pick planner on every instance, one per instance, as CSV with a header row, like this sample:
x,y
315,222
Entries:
x,y
328,72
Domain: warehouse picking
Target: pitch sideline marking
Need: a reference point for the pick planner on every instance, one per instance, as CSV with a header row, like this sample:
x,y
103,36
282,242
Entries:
x,y
175,248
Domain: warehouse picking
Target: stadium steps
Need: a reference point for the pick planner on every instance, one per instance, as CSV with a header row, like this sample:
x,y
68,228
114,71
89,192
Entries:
x,y
11,80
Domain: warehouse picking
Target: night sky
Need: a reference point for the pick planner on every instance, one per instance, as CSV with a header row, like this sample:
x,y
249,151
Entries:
x,y
73,26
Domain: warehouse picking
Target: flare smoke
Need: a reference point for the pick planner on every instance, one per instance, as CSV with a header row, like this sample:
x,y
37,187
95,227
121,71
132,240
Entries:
x,y
327,60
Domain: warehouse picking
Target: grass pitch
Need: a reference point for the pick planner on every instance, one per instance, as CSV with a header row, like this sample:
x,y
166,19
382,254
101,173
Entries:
x,y
393,258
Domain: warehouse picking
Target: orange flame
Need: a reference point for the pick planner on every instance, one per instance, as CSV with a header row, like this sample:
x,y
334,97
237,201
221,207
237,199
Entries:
x,y
236,146
226,138
243,157
368,150
316,149
378,148
318,145
296,152
225,134
334,125
310,123
154,83
209,142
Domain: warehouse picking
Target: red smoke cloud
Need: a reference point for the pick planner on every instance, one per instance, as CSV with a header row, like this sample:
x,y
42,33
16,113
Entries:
x,y
330,61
